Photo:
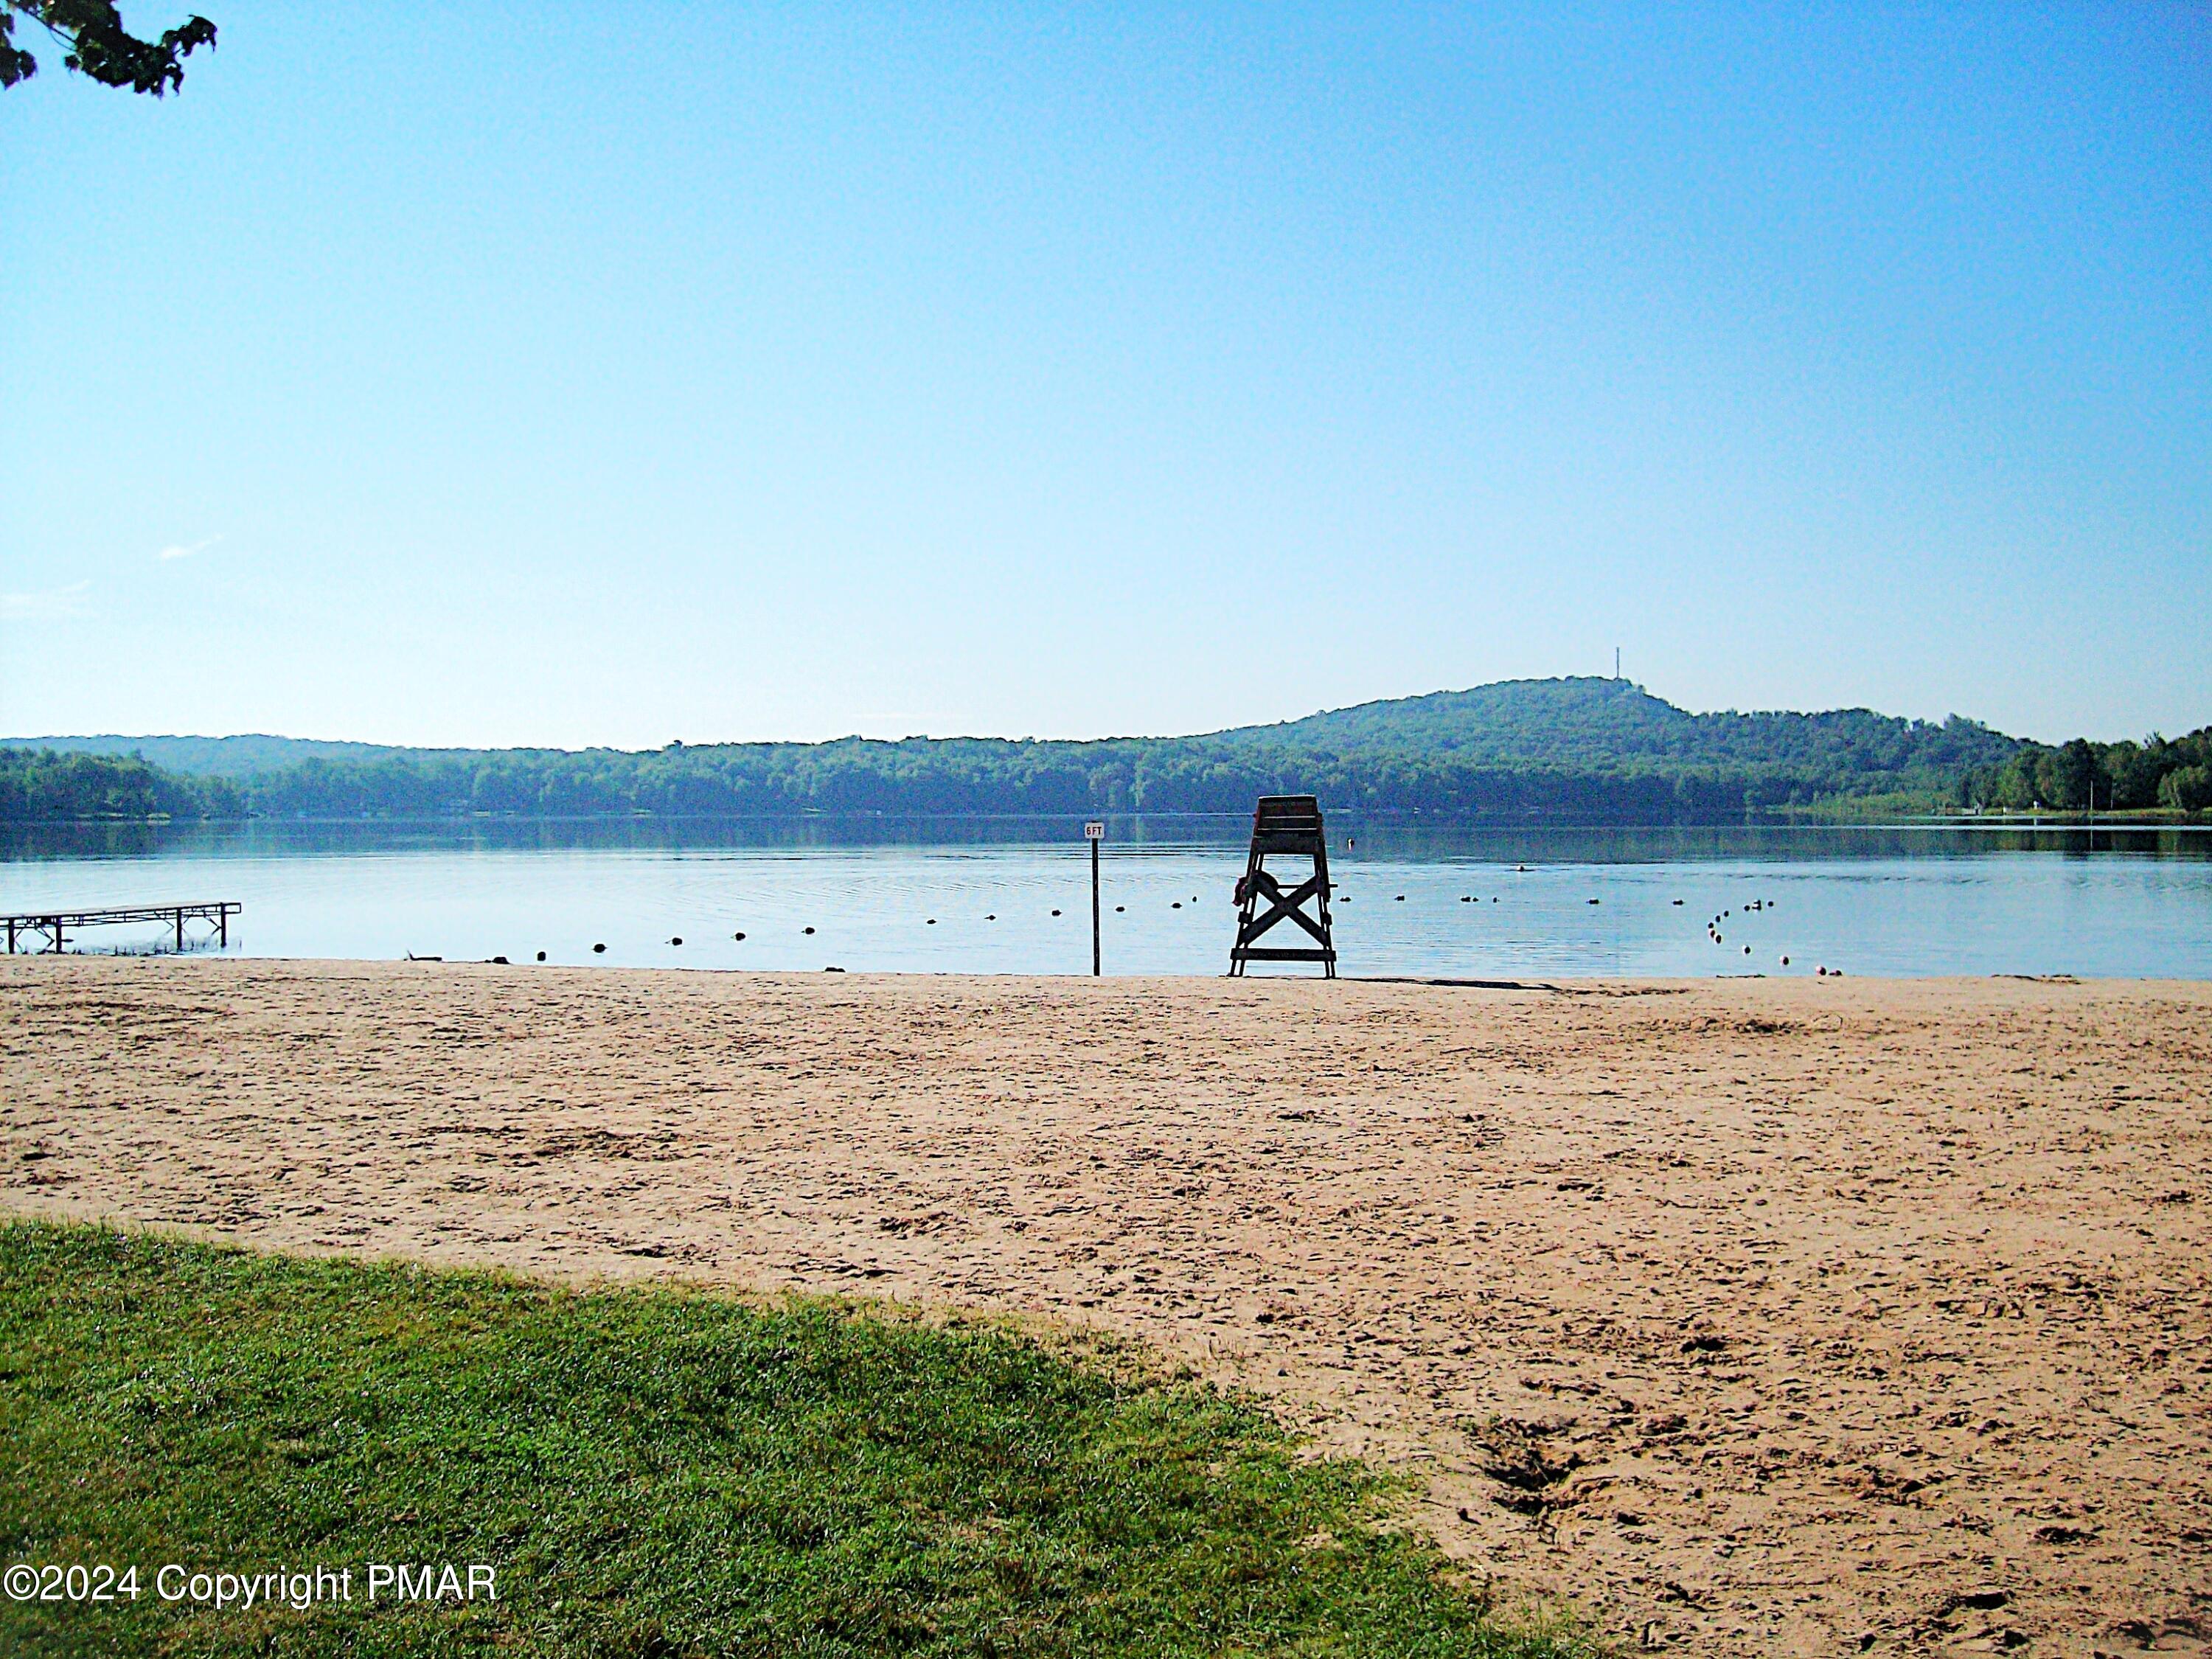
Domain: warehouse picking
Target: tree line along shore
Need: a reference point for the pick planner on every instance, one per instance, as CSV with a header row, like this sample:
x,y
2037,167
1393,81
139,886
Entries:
x,y
1595,751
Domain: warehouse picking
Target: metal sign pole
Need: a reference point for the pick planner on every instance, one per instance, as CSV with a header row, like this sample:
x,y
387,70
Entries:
x,y
1094,832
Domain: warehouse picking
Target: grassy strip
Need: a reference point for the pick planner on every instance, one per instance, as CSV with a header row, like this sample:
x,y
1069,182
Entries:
x,y
652,1471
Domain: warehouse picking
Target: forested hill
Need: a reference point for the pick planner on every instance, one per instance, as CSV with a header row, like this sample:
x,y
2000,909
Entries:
x,y
1570,749
1614,724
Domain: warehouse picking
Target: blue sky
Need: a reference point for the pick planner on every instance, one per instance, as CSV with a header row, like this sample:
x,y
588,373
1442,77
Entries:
x,y
573,375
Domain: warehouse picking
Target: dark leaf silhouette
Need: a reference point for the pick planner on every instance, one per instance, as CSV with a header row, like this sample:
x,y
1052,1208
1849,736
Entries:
x,y
95,43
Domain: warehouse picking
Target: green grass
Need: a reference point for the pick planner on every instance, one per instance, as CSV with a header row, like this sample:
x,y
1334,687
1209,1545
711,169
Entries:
x,y
656,1472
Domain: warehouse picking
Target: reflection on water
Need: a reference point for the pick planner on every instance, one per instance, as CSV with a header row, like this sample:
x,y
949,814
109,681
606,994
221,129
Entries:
x,y
958,895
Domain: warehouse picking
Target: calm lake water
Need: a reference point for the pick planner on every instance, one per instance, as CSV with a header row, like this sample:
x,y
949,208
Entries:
x,y
980,897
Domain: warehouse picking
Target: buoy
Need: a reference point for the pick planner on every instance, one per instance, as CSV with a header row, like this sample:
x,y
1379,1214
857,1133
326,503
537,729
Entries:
x,y
1785,962
599,950
1746,950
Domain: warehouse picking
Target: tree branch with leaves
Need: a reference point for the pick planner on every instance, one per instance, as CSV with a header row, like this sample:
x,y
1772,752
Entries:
x,y
96,44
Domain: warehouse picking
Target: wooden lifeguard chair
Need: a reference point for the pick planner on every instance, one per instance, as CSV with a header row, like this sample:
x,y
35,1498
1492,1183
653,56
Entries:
x,y
1284,826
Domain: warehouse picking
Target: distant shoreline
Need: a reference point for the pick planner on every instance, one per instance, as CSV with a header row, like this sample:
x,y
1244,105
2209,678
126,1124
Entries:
x,y
1776,819
1530,752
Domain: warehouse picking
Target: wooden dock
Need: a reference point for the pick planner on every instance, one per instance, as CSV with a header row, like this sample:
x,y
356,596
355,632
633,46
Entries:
x,y
48,926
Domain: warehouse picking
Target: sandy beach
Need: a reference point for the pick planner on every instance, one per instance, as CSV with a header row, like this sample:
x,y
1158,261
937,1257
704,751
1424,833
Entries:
x,y
1803,1316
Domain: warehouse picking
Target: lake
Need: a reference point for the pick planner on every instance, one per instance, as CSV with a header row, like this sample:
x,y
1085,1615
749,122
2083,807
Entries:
x,y
1012,896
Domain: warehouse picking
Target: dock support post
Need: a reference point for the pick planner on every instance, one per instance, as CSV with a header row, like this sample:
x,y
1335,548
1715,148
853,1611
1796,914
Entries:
x,y
45,932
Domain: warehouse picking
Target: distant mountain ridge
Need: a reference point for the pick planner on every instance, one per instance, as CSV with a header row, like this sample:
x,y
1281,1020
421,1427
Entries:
x,y
1580,722
1566,750
241,756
